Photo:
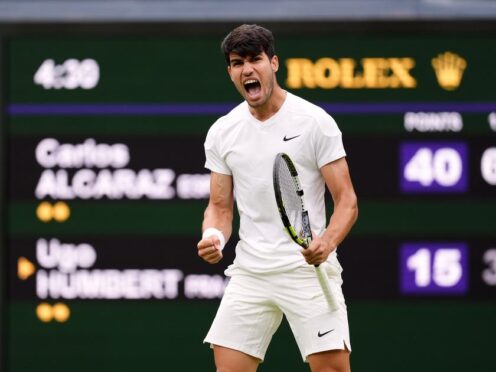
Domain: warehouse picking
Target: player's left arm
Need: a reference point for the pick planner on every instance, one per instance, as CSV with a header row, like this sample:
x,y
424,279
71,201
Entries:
x,y
337,178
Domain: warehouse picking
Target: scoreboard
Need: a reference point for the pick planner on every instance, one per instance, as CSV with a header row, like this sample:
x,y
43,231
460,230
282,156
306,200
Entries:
x,y
103,191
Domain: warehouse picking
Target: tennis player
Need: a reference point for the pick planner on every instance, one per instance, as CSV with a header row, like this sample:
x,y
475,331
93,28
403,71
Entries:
x,y
272,276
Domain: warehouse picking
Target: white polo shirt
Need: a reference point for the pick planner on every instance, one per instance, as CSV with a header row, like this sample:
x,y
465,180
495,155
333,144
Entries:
x,y
239,145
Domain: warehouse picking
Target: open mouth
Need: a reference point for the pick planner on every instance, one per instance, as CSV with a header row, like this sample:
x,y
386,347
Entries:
x,y
252,87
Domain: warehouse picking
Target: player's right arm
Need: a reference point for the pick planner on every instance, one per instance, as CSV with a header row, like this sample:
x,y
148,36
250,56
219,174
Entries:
x,y
218,215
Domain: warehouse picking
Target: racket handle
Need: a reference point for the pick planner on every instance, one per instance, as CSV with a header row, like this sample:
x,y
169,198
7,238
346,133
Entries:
x,y
326,288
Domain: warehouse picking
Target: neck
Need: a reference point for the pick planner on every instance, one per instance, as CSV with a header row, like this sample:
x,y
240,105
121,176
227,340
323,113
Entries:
x,y
271,107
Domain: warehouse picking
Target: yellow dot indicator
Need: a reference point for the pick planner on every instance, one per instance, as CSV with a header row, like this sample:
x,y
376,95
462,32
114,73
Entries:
x,y
61,312
44,211
44,312
61,211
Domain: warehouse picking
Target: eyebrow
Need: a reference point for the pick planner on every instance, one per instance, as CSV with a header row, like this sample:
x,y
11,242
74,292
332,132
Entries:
x,y
241,58
235,59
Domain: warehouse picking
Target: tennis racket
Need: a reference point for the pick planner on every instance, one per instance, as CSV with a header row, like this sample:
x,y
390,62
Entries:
x,y
294,216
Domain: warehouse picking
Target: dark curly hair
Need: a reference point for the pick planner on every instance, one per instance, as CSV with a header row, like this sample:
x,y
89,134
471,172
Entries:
x,y
248,40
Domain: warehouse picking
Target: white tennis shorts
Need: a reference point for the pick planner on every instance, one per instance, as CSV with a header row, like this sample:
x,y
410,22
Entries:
x,y
254,304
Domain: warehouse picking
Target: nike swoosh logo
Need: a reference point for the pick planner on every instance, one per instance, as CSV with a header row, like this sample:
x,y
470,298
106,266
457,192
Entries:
x,y
323,334
290,138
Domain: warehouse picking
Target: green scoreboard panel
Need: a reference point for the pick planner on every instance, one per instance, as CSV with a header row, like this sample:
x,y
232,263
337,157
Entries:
x,y
103,191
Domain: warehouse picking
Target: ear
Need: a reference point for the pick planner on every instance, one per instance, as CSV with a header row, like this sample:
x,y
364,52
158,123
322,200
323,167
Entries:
x,y
229,72
275,63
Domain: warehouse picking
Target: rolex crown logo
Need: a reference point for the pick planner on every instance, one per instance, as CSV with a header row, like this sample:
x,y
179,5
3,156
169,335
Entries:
x,y
449,69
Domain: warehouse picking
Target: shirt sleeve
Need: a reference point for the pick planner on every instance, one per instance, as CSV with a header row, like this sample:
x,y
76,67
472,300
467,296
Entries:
x,y
214,160
328,141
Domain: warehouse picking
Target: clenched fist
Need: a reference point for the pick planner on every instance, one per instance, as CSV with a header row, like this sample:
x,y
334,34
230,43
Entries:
x,y
210,249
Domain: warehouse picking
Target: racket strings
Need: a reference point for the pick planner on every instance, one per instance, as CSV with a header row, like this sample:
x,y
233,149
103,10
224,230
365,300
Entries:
x,y
290,198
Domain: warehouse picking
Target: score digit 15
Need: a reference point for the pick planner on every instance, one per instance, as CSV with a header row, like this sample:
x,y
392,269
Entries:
x,y
434,268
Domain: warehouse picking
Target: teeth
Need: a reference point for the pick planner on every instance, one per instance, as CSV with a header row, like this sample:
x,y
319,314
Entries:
x,y
251,81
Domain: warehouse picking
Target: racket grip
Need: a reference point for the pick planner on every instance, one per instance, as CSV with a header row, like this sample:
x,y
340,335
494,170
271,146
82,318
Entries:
x,y
326,288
